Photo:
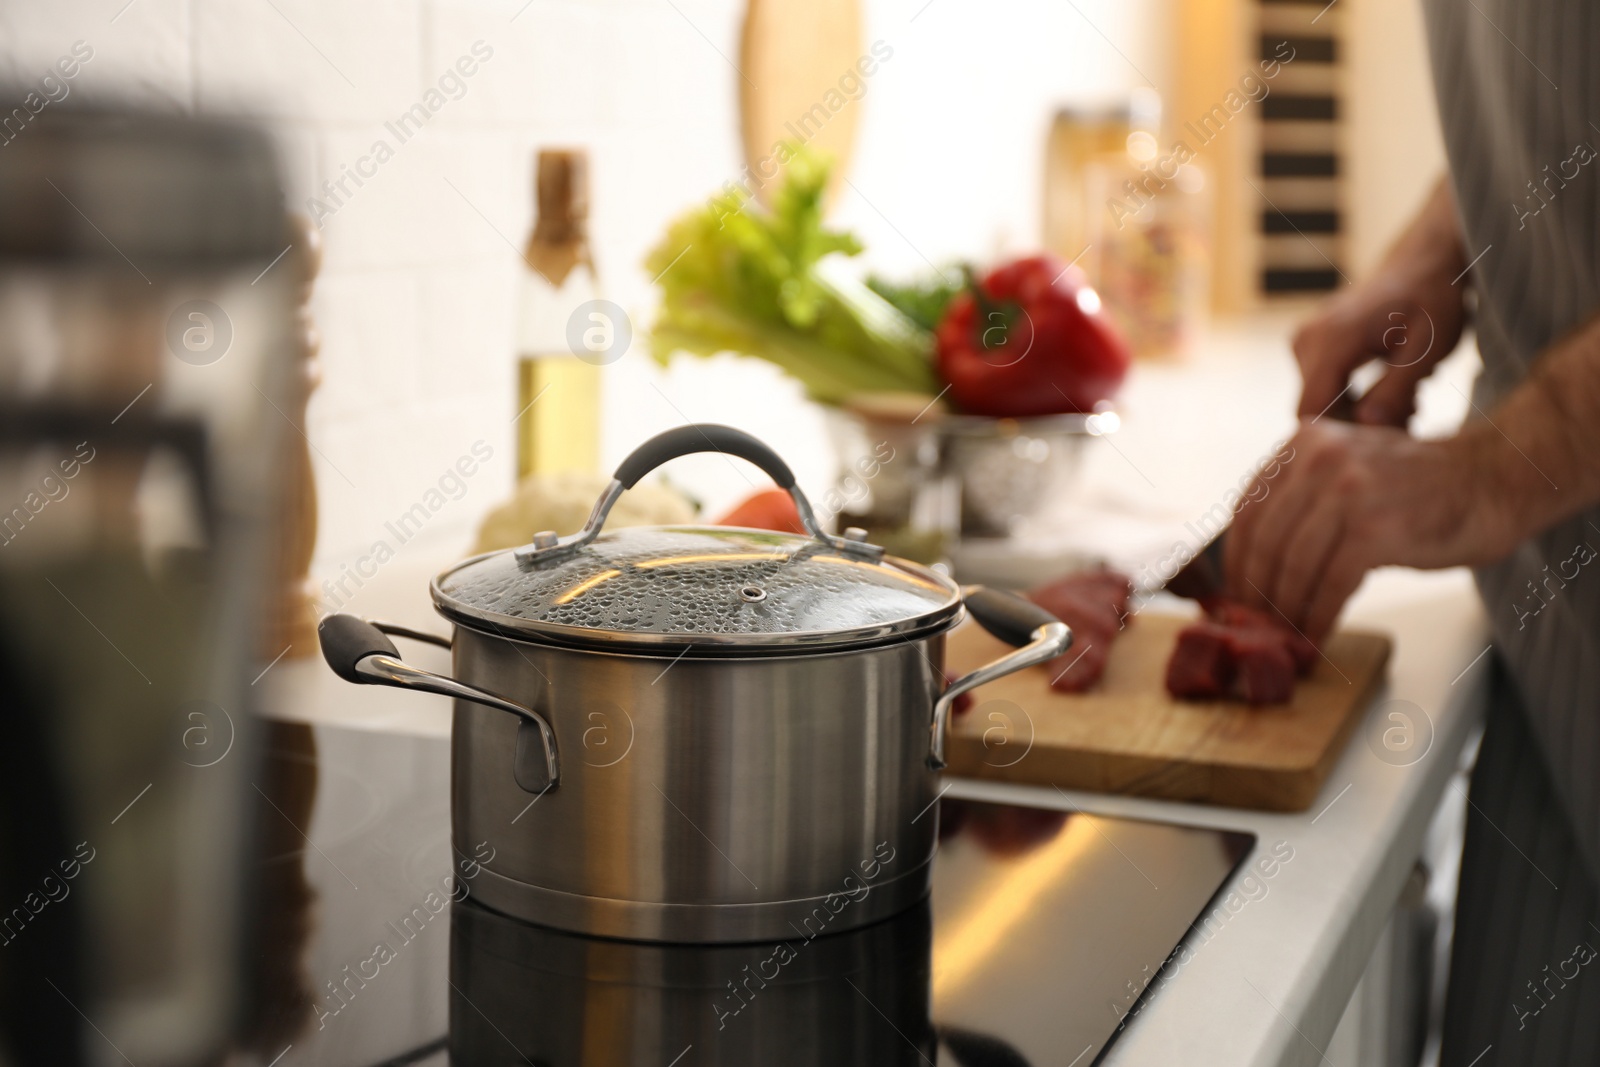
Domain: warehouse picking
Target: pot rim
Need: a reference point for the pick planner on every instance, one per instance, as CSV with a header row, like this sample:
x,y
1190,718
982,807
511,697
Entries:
x,y
499,624
697,653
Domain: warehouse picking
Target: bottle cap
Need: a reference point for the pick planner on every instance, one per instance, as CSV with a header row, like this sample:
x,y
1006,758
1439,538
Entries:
x,y
562,193
560,237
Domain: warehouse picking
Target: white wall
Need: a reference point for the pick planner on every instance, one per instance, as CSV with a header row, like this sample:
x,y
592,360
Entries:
x,y
1396,151
417,291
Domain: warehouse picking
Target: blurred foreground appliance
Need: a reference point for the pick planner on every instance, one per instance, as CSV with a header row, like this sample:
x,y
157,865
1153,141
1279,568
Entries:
x,y
146,329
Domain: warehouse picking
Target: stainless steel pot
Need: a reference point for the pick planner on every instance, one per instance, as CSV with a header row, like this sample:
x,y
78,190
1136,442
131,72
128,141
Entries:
x,y
697,733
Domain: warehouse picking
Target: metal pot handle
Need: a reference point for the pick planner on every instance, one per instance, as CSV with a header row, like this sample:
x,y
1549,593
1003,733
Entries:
x,y
685,441
359,652
1038,635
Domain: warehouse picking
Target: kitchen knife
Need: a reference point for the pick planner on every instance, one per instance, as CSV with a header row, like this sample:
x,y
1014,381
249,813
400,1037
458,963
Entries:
x,y
1201,577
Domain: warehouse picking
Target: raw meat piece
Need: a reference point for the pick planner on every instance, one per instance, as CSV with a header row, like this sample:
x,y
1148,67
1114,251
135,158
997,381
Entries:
x,y
1103,585
1110,592
1239,617
1263,669
1201,667
1085,606
1094,605
1080,668
1238,652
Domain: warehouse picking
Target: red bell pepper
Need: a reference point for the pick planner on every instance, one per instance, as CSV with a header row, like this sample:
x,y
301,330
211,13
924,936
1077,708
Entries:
x,y
1032,339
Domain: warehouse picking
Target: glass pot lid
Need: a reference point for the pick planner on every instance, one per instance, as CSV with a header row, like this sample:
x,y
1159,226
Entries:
x,y
707,587
701,586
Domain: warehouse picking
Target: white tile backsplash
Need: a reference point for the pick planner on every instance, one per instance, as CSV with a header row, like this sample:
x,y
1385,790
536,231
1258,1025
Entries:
x,y
371,323
466,329
419,280
318,60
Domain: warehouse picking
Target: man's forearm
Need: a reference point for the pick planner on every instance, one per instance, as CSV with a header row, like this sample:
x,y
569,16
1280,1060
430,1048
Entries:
x,y
1431,243
1538,452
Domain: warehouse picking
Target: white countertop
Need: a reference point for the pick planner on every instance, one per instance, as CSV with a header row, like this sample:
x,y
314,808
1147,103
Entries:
x,y
1272,983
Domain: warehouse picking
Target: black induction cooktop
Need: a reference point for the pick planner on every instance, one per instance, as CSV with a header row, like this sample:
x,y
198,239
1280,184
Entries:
x,y
1045,933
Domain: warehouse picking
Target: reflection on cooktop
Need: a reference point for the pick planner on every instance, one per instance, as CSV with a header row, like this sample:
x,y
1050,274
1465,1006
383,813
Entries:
x,y
1044,929
521,992
1050,925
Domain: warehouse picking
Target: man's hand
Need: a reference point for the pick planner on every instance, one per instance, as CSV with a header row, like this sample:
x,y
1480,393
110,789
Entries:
x,y
1409,314
1353,498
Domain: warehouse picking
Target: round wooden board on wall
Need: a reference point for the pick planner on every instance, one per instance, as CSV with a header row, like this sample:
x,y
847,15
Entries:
x,y
792,54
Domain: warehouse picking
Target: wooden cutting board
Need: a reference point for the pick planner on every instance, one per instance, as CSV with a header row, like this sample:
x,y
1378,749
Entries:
x,y
1129,736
